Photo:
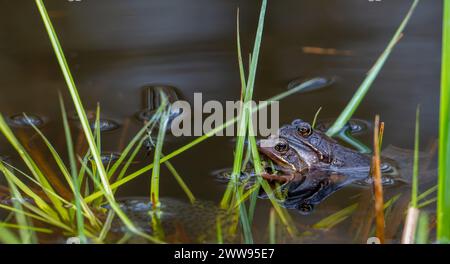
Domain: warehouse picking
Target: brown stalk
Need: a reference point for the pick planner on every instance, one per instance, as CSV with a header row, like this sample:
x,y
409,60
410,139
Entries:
x,y
377,183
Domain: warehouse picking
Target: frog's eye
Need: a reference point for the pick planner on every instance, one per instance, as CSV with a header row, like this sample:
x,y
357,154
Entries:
x,y
281,147
304,130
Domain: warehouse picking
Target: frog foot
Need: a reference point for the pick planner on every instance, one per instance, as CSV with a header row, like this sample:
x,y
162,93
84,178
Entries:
x,y
305,208
278,178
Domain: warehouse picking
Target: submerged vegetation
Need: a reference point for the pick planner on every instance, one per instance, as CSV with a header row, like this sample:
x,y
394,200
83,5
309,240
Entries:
x,y
90,208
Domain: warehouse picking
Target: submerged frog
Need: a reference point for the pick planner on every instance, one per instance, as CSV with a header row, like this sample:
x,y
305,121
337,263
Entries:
x,y
312,165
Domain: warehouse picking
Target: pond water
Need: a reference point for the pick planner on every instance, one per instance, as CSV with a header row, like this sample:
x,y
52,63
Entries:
x,y
116,47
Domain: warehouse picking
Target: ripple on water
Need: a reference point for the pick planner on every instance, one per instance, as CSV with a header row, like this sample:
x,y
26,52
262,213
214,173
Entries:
x,y
315,84
26,121
153,100
355,126
105,124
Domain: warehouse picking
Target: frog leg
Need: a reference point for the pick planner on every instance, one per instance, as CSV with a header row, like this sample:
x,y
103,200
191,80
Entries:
x,y
284,178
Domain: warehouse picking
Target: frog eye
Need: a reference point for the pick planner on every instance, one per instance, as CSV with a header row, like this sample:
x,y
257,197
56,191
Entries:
x,y
304,130
281,147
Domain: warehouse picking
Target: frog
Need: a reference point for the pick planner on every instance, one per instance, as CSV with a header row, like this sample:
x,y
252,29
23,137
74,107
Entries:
x,y
311,165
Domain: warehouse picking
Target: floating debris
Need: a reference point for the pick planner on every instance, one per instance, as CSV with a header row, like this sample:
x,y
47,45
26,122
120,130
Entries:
x,y
317,83
26,120
326,51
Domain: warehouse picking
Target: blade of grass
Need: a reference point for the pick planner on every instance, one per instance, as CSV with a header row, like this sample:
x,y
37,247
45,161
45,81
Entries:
x,y
73,171
24,188
415,180
443,204
180,181
409,230
27,236
247,93
154,188
316,116
8,237
26,228
423,230
219,231
272,227
336,218
106,226
351,107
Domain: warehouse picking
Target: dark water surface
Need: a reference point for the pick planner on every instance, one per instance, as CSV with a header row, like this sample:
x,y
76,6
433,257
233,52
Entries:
x,y
115,47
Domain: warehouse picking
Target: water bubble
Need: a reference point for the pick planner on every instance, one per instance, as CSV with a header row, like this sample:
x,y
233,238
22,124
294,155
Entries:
x,y
105,125
314,83
354,126
20,120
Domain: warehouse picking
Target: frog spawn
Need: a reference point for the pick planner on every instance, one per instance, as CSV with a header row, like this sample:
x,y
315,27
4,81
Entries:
x,y
181,222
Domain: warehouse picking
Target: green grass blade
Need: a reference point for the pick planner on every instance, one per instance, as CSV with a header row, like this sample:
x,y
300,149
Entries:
x,y
154,188
272,227
24,188
129,148
8,237
180,181
427,192
245,112
219,231
423,230
26,228
443,205
106,226
27,236
316,116
372,75
415,179
336,218
73,172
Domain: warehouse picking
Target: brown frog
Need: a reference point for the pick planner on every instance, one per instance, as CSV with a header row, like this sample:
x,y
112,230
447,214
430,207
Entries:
x,y
312,165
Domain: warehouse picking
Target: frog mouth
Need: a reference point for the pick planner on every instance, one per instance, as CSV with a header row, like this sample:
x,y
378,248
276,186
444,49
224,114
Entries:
x,y
276,170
